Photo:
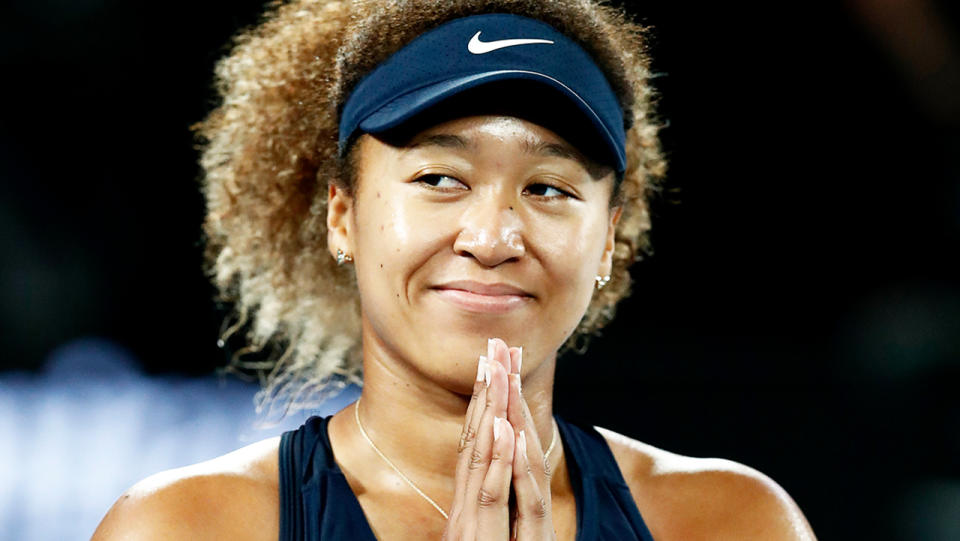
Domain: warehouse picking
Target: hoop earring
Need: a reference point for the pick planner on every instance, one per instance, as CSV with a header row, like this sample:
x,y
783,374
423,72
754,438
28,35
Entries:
x,y
602,281
343,258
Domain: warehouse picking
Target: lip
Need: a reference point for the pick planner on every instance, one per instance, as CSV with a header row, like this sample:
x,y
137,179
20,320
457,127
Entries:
x,y
473,296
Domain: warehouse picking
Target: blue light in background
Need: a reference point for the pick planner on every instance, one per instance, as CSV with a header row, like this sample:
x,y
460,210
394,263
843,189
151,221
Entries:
x,y
73,438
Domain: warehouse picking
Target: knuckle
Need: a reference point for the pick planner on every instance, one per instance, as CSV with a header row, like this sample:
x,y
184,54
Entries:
x,y
467,438
538,509
547,471
478,390
476,459
485,498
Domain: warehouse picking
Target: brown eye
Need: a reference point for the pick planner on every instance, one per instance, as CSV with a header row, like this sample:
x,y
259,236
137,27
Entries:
x,y
440,181
547,191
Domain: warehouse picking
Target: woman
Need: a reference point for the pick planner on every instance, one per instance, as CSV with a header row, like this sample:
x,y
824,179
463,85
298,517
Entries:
x,y
443,194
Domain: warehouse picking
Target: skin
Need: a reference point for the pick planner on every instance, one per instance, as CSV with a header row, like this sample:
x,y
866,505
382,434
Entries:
x,y
491,200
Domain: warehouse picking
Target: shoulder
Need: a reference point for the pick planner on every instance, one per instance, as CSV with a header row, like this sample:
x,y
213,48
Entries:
x,y
690,498
235,496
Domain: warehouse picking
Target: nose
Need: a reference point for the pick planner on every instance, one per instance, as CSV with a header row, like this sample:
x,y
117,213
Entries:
x,y
491,230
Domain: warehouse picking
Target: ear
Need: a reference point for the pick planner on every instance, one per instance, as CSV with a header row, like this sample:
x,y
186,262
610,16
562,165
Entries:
x,y
339,220
606,262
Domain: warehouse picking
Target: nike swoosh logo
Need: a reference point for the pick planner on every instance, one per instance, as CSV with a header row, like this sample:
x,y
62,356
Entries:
x,y
483,47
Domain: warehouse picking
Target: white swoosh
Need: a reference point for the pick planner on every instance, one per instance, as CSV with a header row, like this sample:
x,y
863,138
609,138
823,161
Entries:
x,y
482,47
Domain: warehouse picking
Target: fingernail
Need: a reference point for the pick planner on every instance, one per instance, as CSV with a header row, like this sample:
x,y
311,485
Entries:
x,y
491,348
486,373
520,360
480,365
516,377
496,428
523,443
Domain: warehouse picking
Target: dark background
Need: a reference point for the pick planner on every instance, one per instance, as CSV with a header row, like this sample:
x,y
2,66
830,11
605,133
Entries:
x,y
801,313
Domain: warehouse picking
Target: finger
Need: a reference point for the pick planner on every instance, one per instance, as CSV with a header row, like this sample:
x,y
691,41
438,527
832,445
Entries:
x,y
472,418
515,403
517,411
481,453
498,351
493,516
515,399
534,513
469,434
520,416
516,359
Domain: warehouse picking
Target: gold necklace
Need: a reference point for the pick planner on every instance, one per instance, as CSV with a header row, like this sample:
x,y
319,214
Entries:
x,y
356,415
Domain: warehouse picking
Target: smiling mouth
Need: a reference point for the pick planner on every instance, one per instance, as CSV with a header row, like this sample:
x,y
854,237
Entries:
x,y
483,298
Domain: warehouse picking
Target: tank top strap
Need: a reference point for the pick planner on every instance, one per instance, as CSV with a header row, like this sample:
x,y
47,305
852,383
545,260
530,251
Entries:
x,y
606,509
316,502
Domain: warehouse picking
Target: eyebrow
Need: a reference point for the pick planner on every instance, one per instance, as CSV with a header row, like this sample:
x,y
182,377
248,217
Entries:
x,y
530,146
443,140
565,151
556,150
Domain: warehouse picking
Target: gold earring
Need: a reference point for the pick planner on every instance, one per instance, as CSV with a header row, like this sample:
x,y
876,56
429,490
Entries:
x,y
602,281
343,258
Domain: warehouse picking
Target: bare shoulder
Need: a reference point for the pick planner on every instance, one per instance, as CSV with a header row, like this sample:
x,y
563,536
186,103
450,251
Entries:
x,y
689,498
235,496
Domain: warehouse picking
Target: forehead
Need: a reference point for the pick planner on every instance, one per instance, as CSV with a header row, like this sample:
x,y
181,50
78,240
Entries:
x,y
471,134
471,131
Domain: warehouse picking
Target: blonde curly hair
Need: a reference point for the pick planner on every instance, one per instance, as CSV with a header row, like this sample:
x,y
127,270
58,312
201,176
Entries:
x,y
270,150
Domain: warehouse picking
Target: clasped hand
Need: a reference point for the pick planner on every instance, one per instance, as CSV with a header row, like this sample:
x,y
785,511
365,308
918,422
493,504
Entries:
x,y
500,451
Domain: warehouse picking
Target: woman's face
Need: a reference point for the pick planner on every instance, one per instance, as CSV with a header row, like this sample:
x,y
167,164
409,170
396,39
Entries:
x,y
479,227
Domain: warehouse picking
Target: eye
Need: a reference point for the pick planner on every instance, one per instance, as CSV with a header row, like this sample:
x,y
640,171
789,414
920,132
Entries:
x,y
547,191
442,182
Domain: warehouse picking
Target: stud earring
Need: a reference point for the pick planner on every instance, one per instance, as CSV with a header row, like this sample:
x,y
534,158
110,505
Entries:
x,y
343,258
602,281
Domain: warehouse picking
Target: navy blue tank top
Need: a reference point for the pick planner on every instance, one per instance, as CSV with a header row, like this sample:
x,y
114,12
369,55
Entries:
x,y
316,502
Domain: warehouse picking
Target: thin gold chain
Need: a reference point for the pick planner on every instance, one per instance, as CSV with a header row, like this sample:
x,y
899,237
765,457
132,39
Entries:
x,y
356,415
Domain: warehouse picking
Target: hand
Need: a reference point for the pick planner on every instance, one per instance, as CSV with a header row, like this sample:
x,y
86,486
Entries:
x,y
499,449
531,471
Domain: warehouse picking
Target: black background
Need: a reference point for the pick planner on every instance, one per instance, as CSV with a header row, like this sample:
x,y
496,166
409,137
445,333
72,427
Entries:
x,y
801,313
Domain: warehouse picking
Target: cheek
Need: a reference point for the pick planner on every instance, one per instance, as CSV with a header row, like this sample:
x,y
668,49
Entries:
x,y
393,242
570,258
572,252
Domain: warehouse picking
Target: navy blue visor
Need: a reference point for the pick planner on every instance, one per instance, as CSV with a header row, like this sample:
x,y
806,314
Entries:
x,y
474,53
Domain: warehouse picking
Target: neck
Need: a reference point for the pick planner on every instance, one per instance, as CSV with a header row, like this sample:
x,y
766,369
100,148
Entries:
x,y
416,422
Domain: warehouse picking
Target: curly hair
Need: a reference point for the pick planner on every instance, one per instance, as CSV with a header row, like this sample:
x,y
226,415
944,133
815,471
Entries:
x,y
269,151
